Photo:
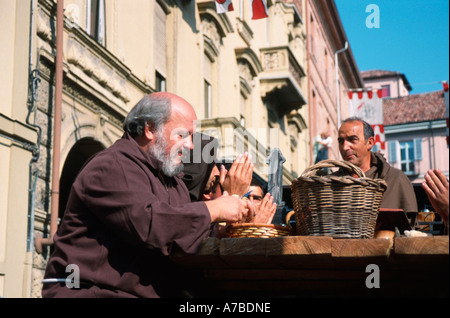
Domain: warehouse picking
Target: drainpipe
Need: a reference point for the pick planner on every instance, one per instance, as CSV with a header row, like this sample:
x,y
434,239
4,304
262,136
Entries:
x,y
56,128
338,106
338,103
33,174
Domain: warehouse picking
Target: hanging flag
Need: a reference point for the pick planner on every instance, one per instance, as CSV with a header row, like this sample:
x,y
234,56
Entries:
x,y
380,141
223,6
369,107
259,9
366,105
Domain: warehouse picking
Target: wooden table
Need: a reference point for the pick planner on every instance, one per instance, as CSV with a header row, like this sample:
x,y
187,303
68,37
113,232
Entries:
x,y
300,266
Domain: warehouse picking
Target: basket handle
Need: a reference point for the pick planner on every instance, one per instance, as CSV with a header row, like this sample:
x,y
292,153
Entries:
x,y
331,163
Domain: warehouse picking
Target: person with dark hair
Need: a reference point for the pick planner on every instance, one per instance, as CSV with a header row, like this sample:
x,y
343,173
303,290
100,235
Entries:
x,y
128,210
206,182
200,173
356,139
265,208
203,178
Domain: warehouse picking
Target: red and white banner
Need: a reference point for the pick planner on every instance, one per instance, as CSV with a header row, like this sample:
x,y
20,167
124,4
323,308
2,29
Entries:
x,y
223,6
259,9
445,84
380,141
368,106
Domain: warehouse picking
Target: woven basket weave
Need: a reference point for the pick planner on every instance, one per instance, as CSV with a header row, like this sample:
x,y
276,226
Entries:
x,y
257,230
341,206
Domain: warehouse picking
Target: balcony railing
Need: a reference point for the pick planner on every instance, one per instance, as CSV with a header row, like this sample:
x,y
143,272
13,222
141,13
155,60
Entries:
x,y
234,139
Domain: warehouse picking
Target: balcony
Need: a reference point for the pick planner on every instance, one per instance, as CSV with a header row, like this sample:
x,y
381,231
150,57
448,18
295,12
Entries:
x,y
282,78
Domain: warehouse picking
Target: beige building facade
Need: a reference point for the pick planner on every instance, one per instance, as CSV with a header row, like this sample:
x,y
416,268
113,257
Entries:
x,y
247,80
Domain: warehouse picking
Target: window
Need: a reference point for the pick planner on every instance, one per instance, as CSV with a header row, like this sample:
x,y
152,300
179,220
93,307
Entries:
x,y
243,109
208,77
160,44
207,99
242,121
95,20
385,91
160,83
407,157
311,36
409,152
241,9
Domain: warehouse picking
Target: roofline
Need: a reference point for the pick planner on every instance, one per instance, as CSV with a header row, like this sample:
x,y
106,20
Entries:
x,y
393,74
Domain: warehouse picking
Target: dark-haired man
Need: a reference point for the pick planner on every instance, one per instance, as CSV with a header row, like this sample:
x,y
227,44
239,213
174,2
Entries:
x,y
356,139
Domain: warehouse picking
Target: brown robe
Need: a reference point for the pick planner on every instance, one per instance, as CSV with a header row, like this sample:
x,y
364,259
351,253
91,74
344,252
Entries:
x,y
123,218
400,192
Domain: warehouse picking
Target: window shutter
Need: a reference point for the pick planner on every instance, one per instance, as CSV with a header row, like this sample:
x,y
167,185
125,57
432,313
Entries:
x,y
418,149
392,151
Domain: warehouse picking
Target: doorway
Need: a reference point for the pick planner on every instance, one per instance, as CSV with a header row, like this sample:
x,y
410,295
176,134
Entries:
x,y
80,153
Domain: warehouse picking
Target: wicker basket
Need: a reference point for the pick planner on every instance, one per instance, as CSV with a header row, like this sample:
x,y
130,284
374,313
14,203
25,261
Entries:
x,y
339,205
257,230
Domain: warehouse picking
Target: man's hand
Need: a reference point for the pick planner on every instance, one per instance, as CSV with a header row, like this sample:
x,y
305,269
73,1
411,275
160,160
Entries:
x,y
238,179
227,208
436,188
264,213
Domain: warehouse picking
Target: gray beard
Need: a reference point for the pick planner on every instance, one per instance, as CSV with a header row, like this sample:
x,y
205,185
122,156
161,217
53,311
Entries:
x,y
170,167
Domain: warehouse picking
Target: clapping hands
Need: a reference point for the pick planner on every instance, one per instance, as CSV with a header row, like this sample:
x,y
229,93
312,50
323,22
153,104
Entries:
x,y
237,180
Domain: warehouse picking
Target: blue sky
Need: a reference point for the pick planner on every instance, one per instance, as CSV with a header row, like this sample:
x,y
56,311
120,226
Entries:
x,y
412,38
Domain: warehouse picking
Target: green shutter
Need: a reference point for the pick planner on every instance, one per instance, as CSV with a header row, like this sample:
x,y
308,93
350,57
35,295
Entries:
x,y
418,149
392,151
